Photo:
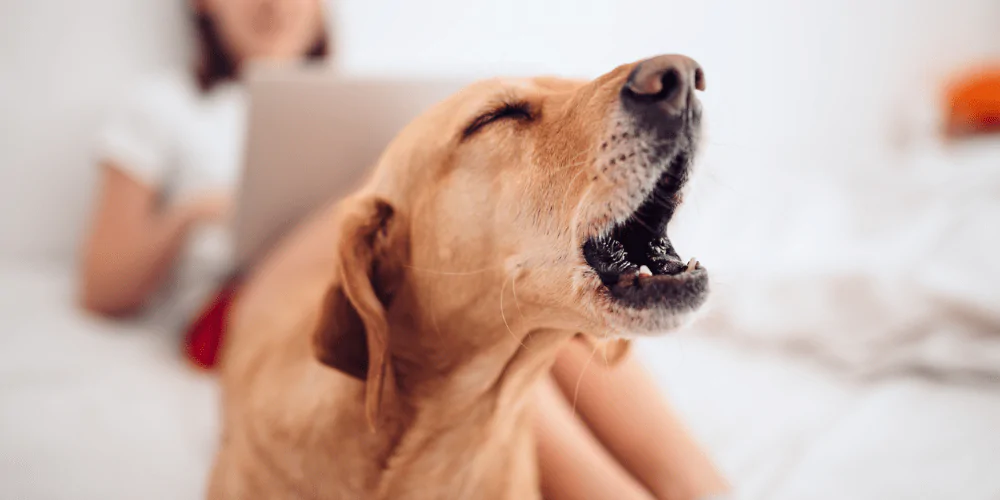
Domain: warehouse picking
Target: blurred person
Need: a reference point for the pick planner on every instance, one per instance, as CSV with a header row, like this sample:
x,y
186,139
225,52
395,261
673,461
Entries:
x,y
171,159
160,239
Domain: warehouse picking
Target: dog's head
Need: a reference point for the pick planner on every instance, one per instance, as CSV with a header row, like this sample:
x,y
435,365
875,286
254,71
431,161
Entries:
x,y
530,204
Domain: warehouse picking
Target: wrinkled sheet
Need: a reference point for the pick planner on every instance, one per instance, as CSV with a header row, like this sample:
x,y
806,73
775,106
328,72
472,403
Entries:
x,y
873,271
787,428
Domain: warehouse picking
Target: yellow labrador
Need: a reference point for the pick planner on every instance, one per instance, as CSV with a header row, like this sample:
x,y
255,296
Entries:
x,y
388,349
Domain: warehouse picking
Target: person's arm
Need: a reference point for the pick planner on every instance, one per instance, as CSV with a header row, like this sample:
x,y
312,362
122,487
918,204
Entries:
x,y
572,464
624,408
133,242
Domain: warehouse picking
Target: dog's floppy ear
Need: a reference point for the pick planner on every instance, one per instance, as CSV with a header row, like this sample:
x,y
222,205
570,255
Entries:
x,y
612,350
353,332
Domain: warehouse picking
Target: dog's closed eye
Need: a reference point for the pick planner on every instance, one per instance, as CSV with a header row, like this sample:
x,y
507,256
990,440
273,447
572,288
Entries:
x,y
509,110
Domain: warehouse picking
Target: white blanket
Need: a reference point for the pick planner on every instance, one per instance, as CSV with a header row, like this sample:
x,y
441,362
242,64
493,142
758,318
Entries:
x,y
911,280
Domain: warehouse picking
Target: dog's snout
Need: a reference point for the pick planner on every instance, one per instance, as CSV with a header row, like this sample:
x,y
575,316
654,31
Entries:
x,y
664,83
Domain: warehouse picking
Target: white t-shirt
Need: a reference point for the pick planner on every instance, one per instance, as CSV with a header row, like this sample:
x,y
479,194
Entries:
x,y
183,142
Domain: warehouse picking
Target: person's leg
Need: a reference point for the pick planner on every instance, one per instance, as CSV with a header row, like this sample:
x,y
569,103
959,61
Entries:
x,y
624,409
573,465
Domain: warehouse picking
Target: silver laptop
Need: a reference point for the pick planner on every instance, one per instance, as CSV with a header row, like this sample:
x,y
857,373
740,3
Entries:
x,y
312,136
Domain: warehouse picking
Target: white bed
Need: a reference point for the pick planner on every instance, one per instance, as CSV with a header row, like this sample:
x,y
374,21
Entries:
x,y
91,409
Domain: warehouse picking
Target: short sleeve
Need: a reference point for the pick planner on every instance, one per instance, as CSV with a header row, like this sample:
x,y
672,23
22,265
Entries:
x,y
140,137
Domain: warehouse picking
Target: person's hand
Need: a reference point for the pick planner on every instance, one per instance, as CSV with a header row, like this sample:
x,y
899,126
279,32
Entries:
x,y
209,207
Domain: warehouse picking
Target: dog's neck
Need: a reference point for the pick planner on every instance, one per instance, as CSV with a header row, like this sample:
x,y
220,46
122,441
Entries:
x,y
459,376
464,400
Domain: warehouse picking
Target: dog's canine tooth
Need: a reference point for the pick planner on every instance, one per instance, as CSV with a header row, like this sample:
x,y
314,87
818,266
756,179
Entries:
x,y
644,272
692,265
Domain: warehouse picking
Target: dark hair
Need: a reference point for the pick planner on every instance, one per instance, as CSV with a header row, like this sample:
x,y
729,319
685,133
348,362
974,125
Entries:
x,y
216,64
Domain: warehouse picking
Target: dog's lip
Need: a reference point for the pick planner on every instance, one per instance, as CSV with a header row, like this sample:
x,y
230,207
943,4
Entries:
x,y
639,278
640,281
675,293
645,275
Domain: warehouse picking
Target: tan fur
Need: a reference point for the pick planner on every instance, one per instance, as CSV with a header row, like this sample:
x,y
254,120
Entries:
x,y
462,295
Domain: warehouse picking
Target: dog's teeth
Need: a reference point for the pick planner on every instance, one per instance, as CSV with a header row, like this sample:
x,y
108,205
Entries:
x,y
644,272
692,265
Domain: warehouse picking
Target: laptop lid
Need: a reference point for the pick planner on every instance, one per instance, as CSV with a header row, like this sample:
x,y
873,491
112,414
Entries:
x,y
312,137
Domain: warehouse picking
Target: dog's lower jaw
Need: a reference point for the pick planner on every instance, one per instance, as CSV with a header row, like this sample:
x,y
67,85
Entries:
x,y
475,443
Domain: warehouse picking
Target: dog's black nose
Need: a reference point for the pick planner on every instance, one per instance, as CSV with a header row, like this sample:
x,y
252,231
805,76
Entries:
x,y
664,84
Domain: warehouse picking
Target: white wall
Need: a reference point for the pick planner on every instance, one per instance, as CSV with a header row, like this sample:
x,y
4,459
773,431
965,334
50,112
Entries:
x,y
816,64
63,64
801,85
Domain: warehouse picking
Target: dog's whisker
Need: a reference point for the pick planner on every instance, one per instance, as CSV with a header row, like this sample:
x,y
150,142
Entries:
x,y
569,189
513,286
503,288
583,371
579,159
573,163
581,162
451,273
604,177
643,224
567,167
604,354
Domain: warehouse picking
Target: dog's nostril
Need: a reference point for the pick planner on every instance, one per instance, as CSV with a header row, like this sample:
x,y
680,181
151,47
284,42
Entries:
x,y
671,84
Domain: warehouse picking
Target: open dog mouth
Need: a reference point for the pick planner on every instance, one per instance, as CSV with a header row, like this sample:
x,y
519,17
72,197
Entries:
x,y
635,260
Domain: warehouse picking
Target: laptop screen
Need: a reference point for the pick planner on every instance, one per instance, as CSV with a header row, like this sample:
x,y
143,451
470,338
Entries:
x,y
312,137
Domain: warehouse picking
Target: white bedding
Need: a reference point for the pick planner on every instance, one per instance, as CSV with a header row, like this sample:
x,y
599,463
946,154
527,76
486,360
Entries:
x,y
874,269
787,429
91,409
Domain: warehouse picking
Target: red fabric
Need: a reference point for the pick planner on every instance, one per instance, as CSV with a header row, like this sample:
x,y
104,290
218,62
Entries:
x,y
203,339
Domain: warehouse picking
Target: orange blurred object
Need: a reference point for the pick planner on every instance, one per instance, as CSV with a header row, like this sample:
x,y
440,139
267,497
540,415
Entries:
x,y
973,102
